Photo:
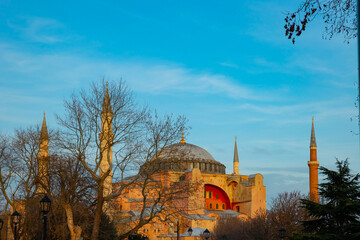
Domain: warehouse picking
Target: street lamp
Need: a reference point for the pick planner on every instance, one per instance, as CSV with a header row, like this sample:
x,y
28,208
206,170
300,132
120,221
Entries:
x,y
282,232
190,231
15,218
1,226
45,204
206,234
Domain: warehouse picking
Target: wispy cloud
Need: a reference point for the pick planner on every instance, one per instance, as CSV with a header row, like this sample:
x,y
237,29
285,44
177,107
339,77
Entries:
x,y
322,110
68,71
36,29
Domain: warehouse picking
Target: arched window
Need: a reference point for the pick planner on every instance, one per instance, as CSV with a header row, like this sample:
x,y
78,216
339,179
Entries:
x,y
217,197
210,205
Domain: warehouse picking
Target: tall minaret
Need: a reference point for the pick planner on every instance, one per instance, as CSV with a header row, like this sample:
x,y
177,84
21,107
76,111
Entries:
x,y
313,167
106,140
43,160
236,160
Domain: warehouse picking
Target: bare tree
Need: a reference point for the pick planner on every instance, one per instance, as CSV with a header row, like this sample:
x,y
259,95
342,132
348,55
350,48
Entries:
x,y
73,189
257,228
19,179
93,131
285,212
157,198
18,173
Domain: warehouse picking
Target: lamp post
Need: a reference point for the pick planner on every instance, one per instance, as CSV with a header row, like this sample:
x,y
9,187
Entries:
x,y
15,218
177,230
45,204
206,234
1,226
282,232
190,231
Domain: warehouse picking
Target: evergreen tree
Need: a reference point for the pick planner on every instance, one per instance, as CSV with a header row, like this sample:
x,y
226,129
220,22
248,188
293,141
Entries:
x,y
338,216
107,228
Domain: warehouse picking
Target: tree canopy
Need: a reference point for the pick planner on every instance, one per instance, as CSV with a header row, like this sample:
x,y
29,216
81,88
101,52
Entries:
x,y
337,217
339,17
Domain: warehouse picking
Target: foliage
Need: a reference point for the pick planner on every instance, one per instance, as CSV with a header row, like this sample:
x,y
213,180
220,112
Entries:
x,y
107,228
338,216
136,236
339,17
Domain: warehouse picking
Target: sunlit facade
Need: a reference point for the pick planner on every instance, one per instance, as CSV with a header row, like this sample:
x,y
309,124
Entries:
x,y
213,193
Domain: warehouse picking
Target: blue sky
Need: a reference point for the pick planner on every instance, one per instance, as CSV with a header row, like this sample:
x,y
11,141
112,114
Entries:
x,y
226,65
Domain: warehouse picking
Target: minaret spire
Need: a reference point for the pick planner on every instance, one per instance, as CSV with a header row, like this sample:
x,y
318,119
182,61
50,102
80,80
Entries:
x,y
236,159
312,140
106,108
43,159
313,167
44,132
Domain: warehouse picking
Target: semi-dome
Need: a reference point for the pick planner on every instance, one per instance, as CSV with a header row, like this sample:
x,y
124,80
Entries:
x,y
183,156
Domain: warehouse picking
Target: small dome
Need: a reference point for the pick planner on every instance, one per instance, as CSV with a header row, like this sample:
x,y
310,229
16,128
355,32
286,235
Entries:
x,y
183,156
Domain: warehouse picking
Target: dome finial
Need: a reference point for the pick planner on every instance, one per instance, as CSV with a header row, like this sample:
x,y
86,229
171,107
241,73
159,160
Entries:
x,y
182,137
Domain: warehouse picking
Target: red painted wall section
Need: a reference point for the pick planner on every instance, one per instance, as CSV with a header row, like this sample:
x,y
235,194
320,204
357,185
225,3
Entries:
x,y
215,195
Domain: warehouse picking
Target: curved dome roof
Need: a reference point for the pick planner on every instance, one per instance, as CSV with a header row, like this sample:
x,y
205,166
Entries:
x,y
185,152
183,156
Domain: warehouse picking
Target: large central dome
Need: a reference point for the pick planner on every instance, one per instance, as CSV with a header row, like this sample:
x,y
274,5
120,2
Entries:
x,y
185,152
183,156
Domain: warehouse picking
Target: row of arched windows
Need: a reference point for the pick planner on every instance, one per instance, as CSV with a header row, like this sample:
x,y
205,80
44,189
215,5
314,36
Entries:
x,y
184,165
216,206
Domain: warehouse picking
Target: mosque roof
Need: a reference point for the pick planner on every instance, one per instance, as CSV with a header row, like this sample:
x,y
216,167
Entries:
x,y
225,214
185,152
183,156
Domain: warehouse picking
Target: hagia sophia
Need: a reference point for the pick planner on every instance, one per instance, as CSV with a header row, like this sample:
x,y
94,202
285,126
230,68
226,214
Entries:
x,y
204,192
210,193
